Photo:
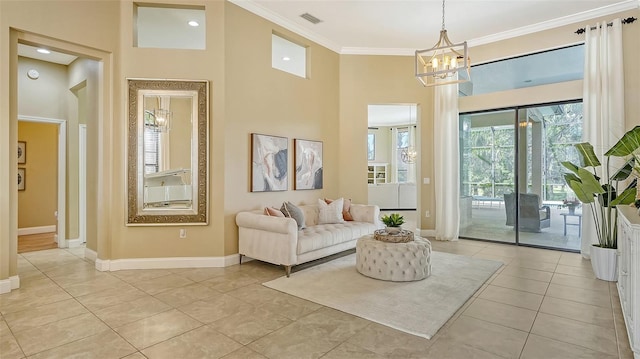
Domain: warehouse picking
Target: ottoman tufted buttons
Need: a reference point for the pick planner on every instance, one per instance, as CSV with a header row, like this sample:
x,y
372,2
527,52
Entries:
x,y
411,259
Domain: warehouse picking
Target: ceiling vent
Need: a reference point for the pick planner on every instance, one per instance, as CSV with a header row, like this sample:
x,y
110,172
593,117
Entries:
x,y
312,19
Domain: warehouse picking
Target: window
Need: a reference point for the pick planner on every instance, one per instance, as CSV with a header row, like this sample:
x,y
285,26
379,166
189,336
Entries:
x,y
541,68
403,142
288,56
151,146
170,28
371,147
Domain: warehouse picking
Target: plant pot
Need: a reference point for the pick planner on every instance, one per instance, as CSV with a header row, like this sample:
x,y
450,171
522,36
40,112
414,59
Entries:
x,y
604,262
572,210
393,230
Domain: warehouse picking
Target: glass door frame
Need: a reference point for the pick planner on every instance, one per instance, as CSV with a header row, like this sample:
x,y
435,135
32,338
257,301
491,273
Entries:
x,y
519,113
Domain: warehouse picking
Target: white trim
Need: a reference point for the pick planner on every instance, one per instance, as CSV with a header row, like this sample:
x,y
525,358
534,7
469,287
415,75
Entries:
x,y
102,264
561,21
256,8
90,254
36,230
62,173
377,51
169,262
259,10
73,243
15,281
82,182
6,285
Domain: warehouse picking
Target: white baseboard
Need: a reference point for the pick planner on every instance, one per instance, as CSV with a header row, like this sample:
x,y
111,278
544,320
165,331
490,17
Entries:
x,y
15,281
6,285
102,265
73,243
163,263
36,230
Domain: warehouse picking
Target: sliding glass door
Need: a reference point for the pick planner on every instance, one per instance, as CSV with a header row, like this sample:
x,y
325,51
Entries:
x,y
512,185
487,150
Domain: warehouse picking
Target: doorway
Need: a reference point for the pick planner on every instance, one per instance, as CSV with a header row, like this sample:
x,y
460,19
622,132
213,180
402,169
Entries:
x,y
43,188
512,183
392,156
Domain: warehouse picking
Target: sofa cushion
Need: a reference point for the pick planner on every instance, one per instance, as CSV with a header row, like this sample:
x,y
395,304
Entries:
x,y
292,211
330,213
346,206
274,212
325,235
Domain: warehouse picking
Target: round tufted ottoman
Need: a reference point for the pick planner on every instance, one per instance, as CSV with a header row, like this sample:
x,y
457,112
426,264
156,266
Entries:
x,y
397,262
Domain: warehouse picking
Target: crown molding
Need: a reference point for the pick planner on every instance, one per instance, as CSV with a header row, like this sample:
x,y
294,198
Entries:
x,y
377,51
257,9
561,21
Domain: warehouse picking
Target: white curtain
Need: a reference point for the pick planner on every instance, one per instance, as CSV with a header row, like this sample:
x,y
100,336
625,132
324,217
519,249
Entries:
x,y
446,163
603,97
164,140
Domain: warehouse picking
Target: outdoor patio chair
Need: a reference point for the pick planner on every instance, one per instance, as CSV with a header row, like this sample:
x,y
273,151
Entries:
x,y
533,217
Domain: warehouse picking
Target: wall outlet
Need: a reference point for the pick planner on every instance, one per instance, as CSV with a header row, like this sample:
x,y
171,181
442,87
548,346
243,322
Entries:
x,y
426,180
427,213
183,233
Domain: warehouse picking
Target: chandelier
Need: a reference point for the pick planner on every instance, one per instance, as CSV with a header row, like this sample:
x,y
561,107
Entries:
x,y
440,64
408,154
158,120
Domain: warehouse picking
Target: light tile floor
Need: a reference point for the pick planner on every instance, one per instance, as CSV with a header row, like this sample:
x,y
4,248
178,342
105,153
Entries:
x,y
541,304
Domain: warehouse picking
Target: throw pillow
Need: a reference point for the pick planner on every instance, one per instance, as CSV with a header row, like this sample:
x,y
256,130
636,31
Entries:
x,y
273,212
330,213
345,208
289,210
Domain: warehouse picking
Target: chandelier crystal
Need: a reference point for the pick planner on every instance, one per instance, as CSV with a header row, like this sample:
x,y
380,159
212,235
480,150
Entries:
x,y
440,64
408,154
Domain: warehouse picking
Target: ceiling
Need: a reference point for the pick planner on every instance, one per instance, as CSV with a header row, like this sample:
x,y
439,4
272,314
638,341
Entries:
x,y
399,27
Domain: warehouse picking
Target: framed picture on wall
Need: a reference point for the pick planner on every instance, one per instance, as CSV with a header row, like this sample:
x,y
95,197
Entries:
x,y
269,163
21,179
309,169
22,152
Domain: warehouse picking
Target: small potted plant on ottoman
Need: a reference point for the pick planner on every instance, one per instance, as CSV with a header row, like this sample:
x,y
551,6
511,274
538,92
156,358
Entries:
x,y
393,222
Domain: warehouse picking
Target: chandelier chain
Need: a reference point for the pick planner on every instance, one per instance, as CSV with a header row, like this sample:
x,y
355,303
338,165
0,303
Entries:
x,y
442,14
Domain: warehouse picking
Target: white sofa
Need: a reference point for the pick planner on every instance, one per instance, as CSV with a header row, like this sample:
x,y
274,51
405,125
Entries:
x,y
277,240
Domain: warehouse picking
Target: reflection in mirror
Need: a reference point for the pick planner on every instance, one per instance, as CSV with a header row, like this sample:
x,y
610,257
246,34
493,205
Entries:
x,y
167,151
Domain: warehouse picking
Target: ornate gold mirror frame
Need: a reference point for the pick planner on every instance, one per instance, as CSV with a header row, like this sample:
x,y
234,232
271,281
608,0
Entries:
x,y
167,152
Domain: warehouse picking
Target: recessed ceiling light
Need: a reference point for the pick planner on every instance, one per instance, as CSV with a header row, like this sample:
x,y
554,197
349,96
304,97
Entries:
x,y
286,58
43,51
193,23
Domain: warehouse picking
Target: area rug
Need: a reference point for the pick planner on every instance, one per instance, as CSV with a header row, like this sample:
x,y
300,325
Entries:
x,y
419,308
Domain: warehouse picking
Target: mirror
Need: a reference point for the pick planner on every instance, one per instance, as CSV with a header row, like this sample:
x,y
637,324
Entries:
x,y
167,152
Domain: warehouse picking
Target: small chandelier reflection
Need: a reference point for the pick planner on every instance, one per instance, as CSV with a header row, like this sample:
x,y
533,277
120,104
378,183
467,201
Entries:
x,y
440,64
159,120
408,154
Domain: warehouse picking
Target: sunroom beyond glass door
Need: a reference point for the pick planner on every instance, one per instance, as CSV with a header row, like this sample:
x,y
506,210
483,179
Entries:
x,y
487,163
550,215
512,179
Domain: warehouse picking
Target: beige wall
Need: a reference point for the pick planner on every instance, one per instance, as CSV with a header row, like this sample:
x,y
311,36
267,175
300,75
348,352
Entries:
x,y
268,101
89,28
38,203
370,80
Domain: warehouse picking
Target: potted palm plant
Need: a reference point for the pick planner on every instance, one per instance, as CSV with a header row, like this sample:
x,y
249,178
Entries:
x,y
393,222
602,194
